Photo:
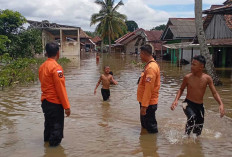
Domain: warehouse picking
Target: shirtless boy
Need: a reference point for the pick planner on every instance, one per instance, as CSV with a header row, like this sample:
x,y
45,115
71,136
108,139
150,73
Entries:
x,y
106,79
196,83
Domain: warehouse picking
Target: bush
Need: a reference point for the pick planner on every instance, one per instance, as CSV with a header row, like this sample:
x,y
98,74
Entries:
x,y
21,70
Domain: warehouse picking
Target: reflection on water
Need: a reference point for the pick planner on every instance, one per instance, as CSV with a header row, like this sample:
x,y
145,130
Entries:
x,y
148,144
112,128
53,151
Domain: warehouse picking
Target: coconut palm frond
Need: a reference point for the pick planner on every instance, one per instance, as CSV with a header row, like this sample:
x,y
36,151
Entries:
x,y
118,5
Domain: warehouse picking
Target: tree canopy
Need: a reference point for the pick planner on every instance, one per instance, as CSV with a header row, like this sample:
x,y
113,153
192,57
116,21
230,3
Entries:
x,y
111,23
131,26
15,39
160,27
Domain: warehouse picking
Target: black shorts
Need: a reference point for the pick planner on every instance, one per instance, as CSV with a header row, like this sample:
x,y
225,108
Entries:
x,y
195,117
105,94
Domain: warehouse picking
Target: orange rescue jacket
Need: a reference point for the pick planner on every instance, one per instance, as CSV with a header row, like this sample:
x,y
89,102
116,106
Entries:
x,y
149,84
52,81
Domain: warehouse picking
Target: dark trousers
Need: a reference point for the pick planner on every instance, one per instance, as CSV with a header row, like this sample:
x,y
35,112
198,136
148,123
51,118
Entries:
x,y
149,120
195,117
105,94
54,122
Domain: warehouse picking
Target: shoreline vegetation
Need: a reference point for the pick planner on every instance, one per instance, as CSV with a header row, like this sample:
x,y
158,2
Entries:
x,y
21,70
138,64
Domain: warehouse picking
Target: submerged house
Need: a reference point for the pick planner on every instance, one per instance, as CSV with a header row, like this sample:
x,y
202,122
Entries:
x,y
86,43
131,42
218,32
178,36
67,36
97,41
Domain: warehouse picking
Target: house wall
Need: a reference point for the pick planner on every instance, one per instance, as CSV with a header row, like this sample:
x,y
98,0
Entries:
x,y
67,48
46,38
187,53
130,47
71,48
218,28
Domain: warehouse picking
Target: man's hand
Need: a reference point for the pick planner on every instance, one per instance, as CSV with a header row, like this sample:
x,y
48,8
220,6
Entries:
x,y
174,104
67,112
143,111
221,110
95,92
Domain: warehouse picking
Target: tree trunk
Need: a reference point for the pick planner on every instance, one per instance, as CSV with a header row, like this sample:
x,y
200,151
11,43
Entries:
x,y
102,46
109,43
203,45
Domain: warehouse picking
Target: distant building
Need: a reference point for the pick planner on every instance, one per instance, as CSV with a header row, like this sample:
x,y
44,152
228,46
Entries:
x,y
86,43
97,40
218,32
131,42
67,36
178,36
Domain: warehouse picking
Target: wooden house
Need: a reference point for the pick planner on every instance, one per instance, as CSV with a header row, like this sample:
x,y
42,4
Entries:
x,y
178,36
218,32
131,42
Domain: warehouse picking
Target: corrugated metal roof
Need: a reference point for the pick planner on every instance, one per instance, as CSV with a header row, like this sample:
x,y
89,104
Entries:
x,y
180,28
83,34
219,9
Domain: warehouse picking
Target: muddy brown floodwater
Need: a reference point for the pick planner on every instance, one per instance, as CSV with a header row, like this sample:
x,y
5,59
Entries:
x,y
109,129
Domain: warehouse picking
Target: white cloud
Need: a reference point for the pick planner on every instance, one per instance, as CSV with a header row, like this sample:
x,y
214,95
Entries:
x,y
181,2
78,12
143,15
69,12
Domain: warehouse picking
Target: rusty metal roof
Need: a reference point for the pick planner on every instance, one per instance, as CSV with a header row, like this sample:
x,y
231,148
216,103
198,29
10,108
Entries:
x,y
179,28
53,28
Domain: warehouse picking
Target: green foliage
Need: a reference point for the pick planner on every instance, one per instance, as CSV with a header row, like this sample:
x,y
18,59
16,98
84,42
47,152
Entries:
x,y
138,64
26,44
3,41
21,70
160,27
14,39
14,71
111,24
91,34
10,22
63,61
131,26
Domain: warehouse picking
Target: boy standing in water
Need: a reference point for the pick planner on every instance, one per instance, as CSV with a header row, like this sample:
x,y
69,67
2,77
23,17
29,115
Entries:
x,y
106,79
196,83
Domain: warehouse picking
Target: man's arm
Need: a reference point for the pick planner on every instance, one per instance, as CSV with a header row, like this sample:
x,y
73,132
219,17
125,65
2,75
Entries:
x,y
216,96
98,83
149,85
179,93
59,81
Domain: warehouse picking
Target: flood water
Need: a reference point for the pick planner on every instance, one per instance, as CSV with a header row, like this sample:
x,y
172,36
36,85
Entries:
x,y
109,129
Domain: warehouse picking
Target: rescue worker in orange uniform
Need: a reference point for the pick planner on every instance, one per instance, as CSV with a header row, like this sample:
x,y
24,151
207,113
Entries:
x,y
148,90
54,96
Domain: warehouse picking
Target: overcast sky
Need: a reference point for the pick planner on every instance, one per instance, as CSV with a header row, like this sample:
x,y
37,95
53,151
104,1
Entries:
x,y
146,13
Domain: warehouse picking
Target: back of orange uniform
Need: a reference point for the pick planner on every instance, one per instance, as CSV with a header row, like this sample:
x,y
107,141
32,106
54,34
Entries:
x,y
52,81
149,84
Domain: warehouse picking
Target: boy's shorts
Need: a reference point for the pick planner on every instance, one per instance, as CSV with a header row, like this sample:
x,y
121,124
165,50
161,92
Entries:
x,y
105,94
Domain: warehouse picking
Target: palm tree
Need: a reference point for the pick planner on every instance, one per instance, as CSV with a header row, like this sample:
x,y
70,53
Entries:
x,y
110,22
202,41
